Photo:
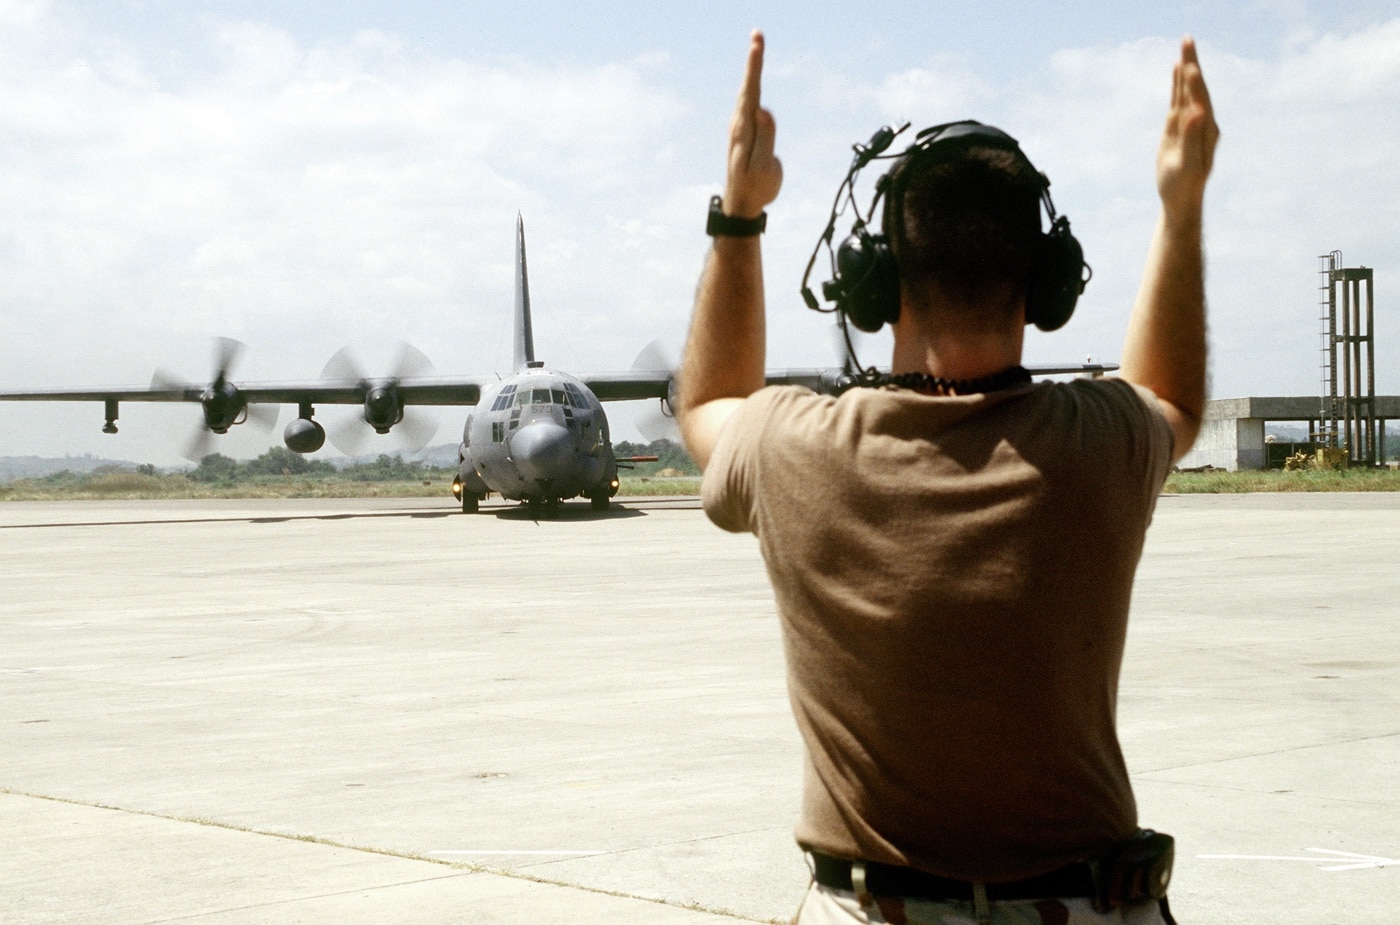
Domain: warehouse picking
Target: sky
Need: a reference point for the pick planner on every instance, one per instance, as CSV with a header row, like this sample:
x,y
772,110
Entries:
x,y
307,176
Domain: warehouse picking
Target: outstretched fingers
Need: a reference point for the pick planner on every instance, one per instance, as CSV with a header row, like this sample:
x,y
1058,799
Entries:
x,y
745,131
1189,137
751,88
755,174
1198,114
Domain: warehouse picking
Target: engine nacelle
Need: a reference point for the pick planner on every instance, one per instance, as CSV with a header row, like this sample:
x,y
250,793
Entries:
x,y
304,436
383,408
223,406
672,401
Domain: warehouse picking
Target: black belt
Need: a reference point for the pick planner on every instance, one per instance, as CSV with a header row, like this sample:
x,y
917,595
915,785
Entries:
x,y
888,880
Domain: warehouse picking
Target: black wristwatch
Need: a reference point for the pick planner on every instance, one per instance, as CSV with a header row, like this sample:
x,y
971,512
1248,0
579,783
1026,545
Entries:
x,y
730,226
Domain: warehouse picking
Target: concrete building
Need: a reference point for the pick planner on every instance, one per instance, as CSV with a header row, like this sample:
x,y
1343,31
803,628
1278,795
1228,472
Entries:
x,y
1232,434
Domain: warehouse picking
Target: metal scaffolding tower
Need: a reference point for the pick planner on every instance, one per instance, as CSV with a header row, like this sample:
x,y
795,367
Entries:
x,y
1347,415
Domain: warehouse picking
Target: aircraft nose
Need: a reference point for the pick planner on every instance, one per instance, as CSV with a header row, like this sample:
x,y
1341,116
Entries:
x,y
541,449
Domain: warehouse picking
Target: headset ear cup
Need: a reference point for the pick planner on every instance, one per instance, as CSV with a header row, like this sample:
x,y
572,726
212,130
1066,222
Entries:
x,y
866,286
1059,279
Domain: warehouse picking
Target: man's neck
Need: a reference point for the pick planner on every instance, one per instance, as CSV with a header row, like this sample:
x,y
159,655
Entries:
x,y
921,345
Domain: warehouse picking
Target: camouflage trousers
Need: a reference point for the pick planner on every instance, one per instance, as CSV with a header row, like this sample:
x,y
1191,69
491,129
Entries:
x,y
827,906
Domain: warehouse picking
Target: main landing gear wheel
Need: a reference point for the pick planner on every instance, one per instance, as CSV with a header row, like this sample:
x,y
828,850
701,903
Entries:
x,y
599,501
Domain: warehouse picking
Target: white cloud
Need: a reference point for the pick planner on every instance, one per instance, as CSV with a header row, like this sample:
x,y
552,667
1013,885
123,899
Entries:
x,y
929,95
344,163
1309,161
298,198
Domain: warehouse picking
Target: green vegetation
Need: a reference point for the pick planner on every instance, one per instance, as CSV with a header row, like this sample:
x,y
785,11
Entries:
x,y
1281,480
280,473
280,463
674,460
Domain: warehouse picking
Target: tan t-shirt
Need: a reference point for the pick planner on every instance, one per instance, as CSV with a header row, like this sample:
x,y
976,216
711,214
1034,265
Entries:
x,y
953,576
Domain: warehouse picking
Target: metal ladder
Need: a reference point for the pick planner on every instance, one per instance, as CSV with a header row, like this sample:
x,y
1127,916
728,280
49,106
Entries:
x,y
1329,411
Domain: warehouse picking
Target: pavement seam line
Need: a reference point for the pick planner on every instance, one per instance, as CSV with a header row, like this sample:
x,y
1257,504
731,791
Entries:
x,y
301,899
1277,751
384,852
666,844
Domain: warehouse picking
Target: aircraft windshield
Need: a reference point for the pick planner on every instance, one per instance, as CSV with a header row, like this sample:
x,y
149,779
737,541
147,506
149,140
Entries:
x,y
568,396
539,397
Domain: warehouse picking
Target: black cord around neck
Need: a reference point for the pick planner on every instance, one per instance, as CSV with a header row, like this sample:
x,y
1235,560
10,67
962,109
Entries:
x,y
923,383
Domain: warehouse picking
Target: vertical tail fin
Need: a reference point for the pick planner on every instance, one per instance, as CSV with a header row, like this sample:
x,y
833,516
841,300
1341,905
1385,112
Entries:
x,y
524,333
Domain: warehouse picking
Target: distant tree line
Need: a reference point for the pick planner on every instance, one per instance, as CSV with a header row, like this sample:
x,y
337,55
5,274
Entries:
x,y
279,461
672,456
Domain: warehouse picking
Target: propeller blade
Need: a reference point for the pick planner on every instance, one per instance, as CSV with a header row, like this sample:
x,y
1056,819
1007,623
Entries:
x,y
163,380
264,417
227,352
411,363
199,445
346,432
353,437
415,430
655,357
349,435
343,366
656,425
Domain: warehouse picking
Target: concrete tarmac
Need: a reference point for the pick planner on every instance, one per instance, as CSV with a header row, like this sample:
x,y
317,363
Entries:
x,y
385,712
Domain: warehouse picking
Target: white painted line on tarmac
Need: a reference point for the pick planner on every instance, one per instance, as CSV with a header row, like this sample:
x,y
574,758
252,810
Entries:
x,y
1340,860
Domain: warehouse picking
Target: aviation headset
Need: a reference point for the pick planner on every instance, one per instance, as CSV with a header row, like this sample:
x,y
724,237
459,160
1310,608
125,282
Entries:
x,y
864,284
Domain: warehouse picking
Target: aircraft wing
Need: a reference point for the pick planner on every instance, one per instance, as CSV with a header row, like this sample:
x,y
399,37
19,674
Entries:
x,y
629,386
1076,369
436,391
656,383
828,379
136,393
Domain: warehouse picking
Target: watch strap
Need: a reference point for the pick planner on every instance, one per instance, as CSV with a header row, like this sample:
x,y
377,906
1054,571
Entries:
x,y
730,226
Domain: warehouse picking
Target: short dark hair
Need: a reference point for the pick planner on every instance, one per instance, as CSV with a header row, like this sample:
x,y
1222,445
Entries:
x,y
968,226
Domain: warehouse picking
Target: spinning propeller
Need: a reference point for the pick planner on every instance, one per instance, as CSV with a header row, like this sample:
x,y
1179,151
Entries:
x,y
384,409
660,422
222,404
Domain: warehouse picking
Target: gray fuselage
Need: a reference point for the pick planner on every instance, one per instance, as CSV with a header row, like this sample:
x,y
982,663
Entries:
x,y
539,435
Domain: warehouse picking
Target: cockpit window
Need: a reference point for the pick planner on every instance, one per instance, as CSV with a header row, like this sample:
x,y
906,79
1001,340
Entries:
x,y
541,396
503,399
560,397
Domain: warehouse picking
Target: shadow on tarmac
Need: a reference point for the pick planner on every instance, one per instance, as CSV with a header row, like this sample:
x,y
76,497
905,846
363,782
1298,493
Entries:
x,y
507,512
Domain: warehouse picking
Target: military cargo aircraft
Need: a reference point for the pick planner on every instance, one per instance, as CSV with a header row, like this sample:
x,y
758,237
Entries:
x,y
538,435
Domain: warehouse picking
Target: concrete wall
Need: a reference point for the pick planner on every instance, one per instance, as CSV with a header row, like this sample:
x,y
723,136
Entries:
x,y
1228,443
1232,433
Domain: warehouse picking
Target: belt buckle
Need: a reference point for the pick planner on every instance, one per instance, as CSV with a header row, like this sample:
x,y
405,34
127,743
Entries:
x,y
858,884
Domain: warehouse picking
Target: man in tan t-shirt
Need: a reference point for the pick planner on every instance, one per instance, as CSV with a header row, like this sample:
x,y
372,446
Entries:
x,y
952,552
